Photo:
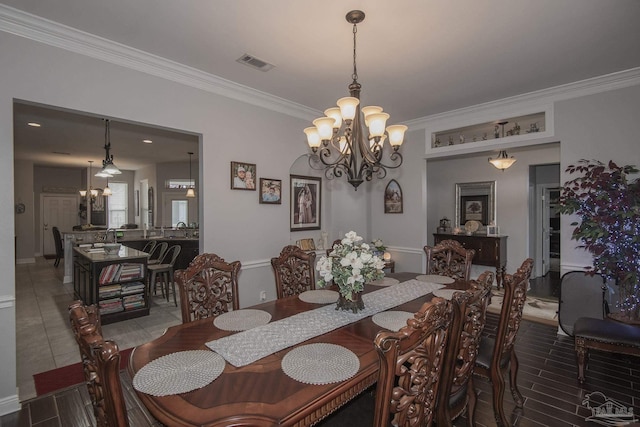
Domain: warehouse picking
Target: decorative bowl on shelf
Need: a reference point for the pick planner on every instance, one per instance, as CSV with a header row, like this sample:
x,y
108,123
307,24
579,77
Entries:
x,y
111,248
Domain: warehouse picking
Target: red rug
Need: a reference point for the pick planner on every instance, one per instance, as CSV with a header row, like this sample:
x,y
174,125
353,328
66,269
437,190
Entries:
x,y
64,377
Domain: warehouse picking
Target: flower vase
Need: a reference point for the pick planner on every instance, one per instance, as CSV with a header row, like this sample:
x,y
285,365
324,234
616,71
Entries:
x,y
354,305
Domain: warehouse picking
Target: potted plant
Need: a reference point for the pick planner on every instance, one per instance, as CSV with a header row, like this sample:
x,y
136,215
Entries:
x,y
350,265
607,203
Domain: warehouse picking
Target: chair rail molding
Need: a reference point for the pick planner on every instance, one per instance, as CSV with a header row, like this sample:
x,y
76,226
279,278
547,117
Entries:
x,y
7,301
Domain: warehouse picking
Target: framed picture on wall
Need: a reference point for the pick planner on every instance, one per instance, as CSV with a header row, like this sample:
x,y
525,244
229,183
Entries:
x,y
474,208
271,191
393,197
243,176
305,202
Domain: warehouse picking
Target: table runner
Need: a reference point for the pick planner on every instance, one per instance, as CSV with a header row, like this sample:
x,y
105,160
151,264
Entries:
x,y
246,347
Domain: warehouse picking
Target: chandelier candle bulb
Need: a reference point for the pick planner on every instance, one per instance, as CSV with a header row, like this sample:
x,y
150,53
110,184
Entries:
x,y
396,135
324,125
313,139
369,110
334,113
377,123
348,106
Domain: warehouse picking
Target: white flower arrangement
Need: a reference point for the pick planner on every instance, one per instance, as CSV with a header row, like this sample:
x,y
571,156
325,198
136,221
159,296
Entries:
x,y
379,245
350,265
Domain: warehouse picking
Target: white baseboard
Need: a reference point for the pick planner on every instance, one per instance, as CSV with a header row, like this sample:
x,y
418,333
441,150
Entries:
x,y
9,405
26,261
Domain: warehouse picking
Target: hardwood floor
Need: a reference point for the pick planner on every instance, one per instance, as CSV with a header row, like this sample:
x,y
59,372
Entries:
x,y
547,380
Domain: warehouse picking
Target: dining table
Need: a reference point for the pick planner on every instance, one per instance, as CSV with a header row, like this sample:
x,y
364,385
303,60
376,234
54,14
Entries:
x,y
260,393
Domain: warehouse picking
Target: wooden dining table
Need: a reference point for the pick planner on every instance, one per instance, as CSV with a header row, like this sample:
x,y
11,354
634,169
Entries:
x,y
260,393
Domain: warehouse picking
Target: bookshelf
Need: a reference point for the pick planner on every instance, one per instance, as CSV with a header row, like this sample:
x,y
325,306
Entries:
x,y
116,283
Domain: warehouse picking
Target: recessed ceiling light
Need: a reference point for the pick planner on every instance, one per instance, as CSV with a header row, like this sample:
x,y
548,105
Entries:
x,y
147,141
34,124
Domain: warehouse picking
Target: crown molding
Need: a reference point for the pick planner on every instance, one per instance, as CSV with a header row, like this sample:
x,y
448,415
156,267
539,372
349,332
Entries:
x,y
607,82
42,30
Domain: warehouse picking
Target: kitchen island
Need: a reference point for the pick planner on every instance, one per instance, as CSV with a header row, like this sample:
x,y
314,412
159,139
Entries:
x,y
116,283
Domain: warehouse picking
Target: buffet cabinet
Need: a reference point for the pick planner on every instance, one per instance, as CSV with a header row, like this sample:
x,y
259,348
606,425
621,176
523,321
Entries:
x,y
117,286
490,250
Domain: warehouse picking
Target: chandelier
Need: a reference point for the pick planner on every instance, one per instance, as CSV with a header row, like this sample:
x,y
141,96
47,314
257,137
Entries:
x,y
338,142
90,192
108,168
503,161
190,191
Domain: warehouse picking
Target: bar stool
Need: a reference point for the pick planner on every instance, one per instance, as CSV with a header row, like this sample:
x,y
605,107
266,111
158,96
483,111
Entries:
x,y
157,253
164,271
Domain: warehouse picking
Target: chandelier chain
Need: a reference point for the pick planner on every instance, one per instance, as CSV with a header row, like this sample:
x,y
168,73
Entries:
x,y
355,69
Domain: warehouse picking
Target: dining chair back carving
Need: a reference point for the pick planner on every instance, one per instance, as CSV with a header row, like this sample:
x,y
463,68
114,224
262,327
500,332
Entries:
x,y
57,240
208,287
148,247
333,245
496,355
294,270
411,363
157,253
457,391
101,364
449,258
164,271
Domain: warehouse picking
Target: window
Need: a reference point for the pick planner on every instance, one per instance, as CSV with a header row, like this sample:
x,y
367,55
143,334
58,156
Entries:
x,y
118,204
179,212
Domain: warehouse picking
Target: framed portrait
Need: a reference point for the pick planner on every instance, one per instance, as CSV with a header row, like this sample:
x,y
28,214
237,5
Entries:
x,y
493,230
305,202
393,197
271,191
243,176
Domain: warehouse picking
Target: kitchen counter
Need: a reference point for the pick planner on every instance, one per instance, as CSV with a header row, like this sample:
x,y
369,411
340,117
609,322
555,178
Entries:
x,y
97,254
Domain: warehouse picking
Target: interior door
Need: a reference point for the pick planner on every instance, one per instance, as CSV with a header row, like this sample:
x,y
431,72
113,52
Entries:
x,y
57,211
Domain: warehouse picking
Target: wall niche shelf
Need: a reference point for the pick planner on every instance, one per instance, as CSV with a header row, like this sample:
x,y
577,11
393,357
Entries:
x,y
531,125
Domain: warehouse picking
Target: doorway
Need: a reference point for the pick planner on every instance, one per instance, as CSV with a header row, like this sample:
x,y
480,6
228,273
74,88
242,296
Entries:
x,y
57,211
544,232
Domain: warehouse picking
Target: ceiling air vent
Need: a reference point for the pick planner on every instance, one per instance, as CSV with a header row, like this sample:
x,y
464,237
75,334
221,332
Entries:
x,y
254,62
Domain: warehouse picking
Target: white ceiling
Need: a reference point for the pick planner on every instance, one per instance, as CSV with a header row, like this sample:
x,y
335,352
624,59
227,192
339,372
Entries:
x,y
415,57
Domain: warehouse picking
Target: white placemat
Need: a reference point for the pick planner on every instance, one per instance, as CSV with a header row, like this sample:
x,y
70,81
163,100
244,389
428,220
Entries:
x,y
320,363
392,320
445,293
435,278
241,320
385,281
319,296
179,372
248,346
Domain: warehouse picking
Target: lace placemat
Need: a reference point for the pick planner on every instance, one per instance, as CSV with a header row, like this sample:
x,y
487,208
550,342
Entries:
x,y
435,278
320,363
392,320
385,281
179,372
241,320
319,296
248,346
445,293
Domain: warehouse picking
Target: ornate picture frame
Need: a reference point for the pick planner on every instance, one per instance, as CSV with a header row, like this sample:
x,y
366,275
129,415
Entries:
x,y
243,176
305,201
393,198
475,201
270,191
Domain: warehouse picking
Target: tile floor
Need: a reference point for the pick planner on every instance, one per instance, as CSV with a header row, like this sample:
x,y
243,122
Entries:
x,y
41,311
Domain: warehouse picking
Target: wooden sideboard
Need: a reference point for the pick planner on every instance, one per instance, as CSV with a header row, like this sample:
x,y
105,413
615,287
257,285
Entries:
x,y
490,250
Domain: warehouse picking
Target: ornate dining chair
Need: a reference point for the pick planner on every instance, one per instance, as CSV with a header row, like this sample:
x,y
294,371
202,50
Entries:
x,y
208,287
411,366
496,355
164,272
449,258
333,245
294,270
457,391
101,364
